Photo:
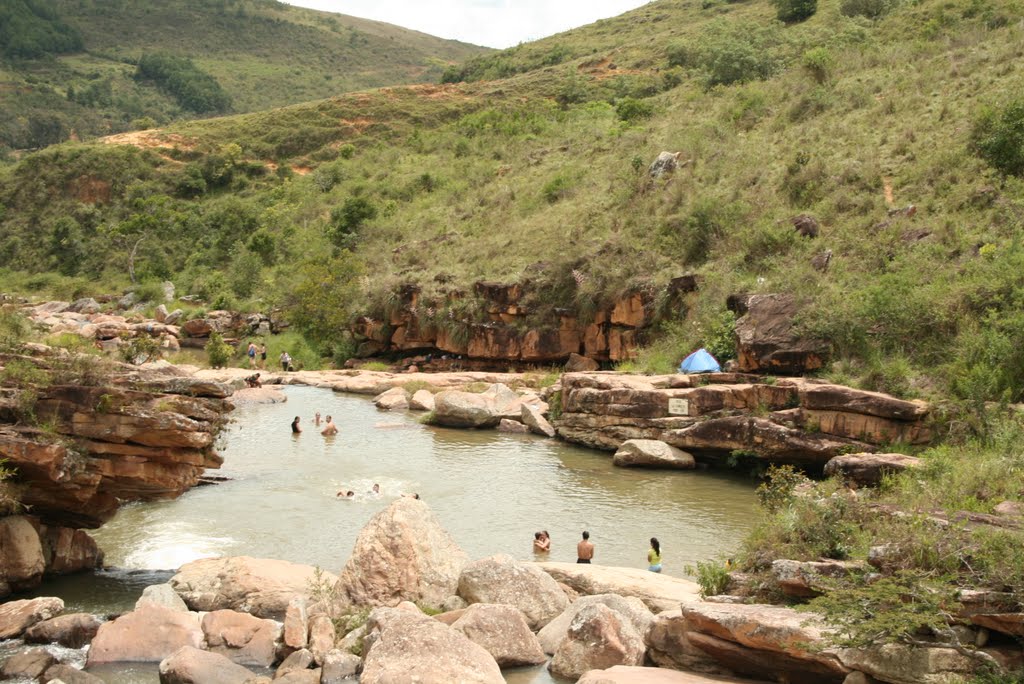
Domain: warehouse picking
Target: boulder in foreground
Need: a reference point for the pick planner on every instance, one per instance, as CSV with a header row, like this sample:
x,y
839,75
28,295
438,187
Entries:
x,y
406,646
402,554
503,580
145,635
598,637
503,631
259,586
17,616
190,665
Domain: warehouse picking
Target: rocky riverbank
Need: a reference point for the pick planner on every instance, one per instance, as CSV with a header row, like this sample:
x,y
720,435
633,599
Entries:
x,y
409,605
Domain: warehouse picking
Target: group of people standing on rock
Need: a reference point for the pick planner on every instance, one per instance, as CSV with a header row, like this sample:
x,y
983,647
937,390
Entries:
x,y
330,428
585,549
252,351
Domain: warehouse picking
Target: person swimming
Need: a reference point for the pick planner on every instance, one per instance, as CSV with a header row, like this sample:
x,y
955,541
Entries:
x,y
541,542
316,419
654,556
375,490
346,494
330,428
295,426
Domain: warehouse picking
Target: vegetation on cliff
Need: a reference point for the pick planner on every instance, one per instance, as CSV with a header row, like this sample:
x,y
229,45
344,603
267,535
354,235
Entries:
x,y
541,179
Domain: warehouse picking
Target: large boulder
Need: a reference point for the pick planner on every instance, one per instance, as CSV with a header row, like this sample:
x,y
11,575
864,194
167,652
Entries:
x,y
535,420
625,674
669,645
242,638
504,402
259,586
867,470
296,624
503,631
454,408
393,399
504,580
406,646
750,638
767,340
402,554
146,635
422,400
27,664
161,595
651,453
190,665
339,666
807,579
658,592
21,555
598,637
631,608
17,616
73,631
69,675
580,364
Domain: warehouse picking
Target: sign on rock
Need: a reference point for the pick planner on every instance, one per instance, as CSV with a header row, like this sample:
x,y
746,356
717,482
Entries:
x,y
679,407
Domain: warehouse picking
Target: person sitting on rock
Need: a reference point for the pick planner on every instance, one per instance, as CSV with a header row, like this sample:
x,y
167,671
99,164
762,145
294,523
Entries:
x,y
253,381
330,428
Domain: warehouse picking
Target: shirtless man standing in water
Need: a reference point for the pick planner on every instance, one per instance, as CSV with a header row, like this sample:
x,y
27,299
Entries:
x,y
585,549
330,428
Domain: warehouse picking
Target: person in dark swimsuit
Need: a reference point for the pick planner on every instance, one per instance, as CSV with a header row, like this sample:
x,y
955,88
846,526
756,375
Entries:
x,y
585,549
295,426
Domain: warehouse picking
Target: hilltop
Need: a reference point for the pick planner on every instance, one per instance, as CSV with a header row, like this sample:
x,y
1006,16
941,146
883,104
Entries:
x,y
528,172
68,67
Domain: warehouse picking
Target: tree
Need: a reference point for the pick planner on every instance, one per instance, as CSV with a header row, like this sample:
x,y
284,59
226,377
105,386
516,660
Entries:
x,y
792,11
347,219
320,299
154,217
66,245
998,137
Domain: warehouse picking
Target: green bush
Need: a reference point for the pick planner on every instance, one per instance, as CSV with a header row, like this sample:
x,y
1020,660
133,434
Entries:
x,y
998,137
819,62
792,11
218,352
556,189
779,486
140,350
712,577
193,88
630,109
872,9
738,52
347,219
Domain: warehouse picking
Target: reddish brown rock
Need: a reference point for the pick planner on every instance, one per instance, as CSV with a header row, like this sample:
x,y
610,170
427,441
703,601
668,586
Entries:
x,y
868,469
748,638
17,616
74,630
296,624
503,631
262,587
577,364
401,554
669,645
767,342
68,551
189,665
148,634
27,664
839,398
598,638
322,636
21,554
803,579
871,429
242,638
405,646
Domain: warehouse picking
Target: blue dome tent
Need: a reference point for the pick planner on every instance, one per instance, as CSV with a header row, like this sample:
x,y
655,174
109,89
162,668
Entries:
x,y
700,361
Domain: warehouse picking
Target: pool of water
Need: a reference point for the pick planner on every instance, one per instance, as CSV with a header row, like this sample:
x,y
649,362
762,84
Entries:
x,y
491,491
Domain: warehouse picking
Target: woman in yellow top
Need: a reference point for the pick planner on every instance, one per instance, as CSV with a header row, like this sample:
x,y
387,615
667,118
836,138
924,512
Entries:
x,y
654,556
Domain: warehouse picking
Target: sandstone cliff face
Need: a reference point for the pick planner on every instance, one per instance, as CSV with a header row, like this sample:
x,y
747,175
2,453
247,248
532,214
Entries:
x,y
796,421
503,334
109,444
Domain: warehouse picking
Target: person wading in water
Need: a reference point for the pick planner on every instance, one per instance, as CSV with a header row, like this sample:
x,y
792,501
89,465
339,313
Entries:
x,y
585,549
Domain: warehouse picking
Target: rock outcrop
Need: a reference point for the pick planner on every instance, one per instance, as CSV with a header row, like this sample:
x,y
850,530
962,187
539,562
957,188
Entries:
x,y
867,470
598,637
715,416
503,580
148,634
658,592
402,554
766,338
405,646
189,665
18,616
242,638
503,631
650,453
631,608
258,586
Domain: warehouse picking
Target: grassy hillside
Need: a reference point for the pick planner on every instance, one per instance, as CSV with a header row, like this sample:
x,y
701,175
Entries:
x,y
73,62
540,177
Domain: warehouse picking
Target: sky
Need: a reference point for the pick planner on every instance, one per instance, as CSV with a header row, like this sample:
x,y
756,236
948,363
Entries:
x,y
493,23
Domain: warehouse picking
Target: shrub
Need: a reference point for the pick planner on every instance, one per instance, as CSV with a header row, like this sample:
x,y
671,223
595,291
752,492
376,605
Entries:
x,y
712,577
630,109
140,350
792,11
218,352
738,52
819,62
14,328
347,219
998,137
555,189
777,490
872,9
193,88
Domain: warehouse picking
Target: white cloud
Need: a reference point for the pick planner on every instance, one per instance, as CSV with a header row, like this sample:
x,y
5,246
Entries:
x,y
494,23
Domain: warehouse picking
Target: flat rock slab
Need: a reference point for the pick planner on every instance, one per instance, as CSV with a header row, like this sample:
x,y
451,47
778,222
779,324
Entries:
x,y
251,396
624,674
658,592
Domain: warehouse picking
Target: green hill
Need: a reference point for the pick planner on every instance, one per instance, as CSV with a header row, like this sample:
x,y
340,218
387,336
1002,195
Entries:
x,y
68,67
540,177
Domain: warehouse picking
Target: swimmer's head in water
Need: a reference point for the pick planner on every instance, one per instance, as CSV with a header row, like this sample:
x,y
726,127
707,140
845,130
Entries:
x,y
586,535
538,535
376,488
